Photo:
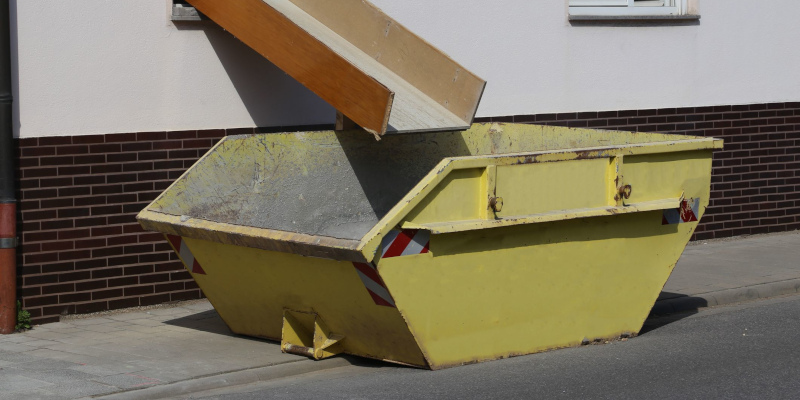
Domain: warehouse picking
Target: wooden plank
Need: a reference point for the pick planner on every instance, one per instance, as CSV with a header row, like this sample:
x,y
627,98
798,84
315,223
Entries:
x,y
401,51
343,123
430,91
304,57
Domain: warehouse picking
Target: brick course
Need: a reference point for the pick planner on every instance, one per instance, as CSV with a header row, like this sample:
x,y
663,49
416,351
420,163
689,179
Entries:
x,y
82,250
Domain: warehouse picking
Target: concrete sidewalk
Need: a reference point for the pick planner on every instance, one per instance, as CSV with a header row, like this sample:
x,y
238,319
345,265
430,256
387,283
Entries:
x,y
732,270
176,350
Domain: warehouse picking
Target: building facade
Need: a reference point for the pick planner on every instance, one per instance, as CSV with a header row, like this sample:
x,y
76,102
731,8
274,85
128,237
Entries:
x,y
114,100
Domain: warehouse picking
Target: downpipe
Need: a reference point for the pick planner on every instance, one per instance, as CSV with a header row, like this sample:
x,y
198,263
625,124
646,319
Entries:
x,y
8,201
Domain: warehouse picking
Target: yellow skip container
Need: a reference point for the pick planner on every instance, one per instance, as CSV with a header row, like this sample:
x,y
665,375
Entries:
x,y
437,249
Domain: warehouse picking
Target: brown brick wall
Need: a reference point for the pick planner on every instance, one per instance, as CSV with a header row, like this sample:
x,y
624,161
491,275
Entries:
x,y
82,250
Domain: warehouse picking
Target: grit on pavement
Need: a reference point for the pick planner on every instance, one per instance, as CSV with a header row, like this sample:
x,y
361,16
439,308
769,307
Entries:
x,y
174,350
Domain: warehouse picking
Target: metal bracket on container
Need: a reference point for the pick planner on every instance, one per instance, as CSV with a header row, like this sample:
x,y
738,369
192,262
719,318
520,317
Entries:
x,y
8,243
305,334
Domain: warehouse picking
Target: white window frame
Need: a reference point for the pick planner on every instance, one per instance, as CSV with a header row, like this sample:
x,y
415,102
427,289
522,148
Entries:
x,y
627,8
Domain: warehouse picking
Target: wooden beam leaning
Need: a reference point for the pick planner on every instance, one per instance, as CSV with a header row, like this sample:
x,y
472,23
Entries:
x,y
304,57
409,56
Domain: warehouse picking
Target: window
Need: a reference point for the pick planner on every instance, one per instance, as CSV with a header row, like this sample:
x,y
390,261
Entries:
x,y
628,8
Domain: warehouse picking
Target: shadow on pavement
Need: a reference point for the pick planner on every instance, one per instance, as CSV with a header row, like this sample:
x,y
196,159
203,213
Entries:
x,y
210,321
206,321
671,307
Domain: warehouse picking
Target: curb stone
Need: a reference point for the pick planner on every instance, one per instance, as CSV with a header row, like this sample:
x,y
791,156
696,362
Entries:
x,y
727,296
236,378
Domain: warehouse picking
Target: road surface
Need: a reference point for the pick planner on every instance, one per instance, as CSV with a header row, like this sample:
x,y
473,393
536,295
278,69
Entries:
x,y
746,351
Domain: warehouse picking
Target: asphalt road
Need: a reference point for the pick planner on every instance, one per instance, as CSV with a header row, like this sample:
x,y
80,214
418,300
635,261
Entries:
x,y
748,351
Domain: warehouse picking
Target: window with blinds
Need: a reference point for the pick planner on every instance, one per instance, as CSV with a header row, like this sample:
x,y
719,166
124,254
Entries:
x,y
627,7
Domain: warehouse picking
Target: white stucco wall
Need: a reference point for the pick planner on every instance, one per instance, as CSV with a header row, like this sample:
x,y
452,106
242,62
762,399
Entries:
x,y
101,66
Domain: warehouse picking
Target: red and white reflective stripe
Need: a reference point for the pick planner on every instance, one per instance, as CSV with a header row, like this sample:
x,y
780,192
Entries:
x,y
405,243
185,254
395,244
374,284
687,213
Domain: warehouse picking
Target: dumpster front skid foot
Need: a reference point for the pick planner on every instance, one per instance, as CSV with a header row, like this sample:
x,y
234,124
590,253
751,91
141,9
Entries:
x,y
305,334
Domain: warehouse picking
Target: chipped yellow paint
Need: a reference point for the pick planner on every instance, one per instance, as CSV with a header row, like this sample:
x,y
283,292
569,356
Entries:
x,y
577,252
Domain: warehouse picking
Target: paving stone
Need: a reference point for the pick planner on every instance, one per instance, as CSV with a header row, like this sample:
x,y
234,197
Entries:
x,y
41,343
167,311
16,347
72,341
104,328
46,364
53,354
128,381
68,331
16,338
11,382
107,369
37,394
127,316
56,325
59,375
80,388
16,357
89,321
46,335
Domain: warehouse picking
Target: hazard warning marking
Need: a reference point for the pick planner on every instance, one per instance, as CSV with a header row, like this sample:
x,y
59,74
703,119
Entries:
x,y
687,213
374,284
405,243
396,243
185,254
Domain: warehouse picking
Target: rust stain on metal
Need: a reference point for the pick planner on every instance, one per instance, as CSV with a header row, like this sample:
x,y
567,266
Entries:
x,y
625,191
496,203
299,350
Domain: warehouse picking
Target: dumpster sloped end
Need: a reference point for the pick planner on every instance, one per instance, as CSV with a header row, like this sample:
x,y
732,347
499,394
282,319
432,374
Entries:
x,y
253,290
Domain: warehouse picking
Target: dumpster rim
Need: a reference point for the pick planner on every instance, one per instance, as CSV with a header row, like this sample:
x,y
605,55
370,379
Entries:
x,y
251,237
364,249
371,241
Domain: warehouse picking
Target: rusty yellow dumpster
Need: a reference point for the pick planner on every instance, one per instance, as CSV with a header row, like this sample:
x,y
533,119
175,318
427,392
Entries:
x,y
437,249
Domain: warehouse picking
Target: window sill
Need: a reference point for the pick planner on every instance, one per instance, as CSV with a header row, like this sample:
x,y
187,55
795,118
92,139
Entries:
x,y
686,17
184,13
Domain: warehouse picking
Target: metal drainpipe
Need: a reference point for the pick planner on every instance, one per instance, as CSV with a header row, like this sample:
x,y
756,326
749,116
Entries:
x,y
8,201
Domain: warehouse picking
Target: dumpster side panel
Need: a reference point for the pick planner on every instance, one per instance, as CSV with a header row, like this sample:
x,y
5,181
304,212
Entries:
x,y
539,188
494,293
656,176
456,198
510,291
250,289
